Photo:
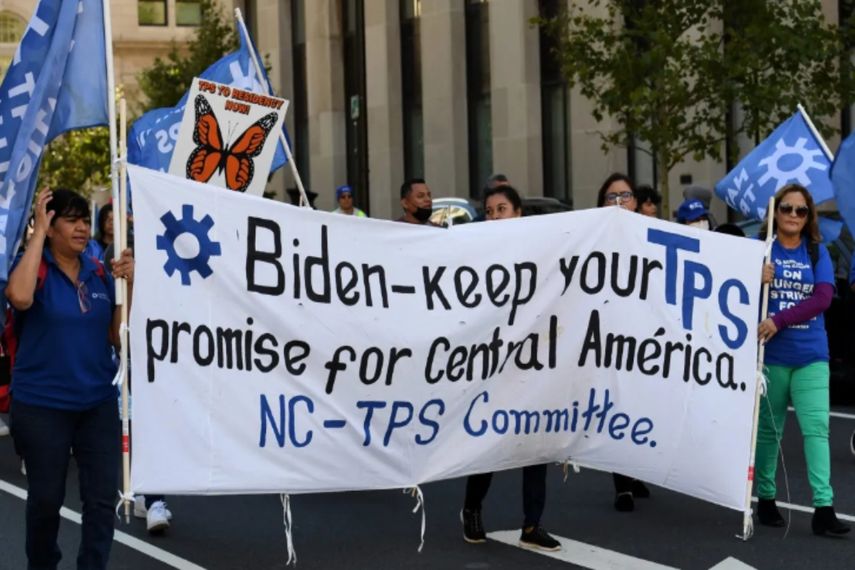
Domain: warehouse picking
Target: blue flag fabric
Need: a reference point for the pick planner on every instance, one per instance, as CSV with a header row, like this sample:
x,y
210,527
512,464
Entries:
x,y
56,82
843,178
791,154
152,137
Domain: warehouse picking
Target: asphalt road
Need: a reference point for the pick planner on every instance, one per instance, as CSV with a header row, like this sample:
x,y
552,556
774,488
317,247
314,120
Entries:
x,y
378,529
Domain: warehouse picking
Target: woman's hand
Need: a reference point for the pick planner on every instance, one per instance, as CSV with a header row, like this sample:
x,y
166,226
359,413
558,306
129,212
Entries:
x,y
768,273
766,330
123,268
43,217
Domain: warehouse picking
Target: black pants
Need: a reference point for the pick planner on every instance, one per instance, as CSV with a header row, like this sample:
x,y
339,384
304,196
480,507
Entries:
x,y
534,492
623,484
44,437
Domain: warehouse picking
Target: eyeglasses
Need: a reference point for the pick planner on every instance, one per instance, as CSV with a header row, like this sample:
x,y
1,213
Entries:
x,y
787,209
612,197
83,297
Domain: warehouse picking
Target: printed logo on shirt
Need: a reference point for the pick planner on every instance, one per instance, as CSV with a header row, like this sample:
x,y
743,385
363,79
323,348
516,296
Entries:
x,y
793,283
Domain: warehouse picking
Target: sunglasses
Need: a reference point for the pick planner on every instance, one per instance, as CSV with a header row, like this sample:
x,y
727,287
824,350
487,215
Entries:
x,y
612,197
787,209
83,298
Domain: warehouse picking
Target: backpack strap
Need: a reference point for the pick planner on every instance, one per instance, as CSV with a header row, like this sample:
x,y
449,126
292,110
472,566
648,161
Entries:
x,y
813,252
41,277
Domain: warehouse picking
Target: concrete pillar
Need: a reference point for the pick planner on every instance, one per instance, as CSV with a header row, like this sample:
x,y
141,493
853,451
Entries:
x,y
515,94
325,78
443,53
383,93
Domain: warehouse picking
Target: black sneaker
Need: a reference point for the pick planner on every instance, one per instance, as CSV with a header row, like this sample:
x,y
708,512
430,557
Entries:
x,y
539,539
473,528
640,490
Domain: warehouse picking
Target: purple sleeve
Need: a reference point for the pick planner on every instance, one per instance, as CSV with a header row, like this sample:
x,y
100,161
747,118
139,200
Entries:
x,y
807,309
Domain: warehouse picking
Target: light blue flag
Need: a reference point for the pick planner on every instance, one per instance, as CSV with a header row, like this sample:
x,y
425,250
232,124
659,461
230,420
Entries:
x,y
56,82
843,178
791,154
152,137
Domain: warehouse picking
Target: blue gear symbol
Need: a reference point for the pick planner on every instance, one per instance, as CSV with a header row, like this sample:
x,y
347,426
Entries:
x,y
199,230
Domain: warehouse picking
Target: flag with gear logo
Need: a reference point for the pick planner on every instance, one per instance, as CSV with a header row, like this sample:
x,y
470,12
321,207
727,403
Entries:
x,y
791,154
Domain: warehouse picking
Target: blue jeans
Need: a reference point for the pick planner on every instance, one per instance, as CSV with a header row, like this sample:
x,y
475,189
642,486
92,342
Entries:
x,y
44,437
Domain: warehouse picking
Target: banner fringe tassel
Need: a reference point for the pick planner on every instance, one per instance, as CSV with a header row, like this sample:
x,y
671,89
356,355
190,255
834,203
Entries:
x,y
287,522
416,492
122,497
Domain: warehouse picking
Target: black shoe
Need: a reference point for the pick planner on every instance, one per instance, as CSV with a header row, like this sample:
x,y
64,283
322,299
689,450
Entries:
x,y
539,539
624,502
768,513
640,490
473,528
826,522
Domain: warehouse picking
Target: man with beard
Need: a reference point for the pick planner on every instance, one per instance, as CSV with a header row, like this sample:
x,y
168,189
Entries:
x,y
416,202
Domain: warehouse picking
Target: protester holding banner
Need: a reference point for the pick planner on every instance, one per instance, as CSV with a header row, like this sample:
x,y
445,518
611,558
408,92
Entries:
x,y
619,190
344,197
802,284
63,398
648,200
503,202
416,202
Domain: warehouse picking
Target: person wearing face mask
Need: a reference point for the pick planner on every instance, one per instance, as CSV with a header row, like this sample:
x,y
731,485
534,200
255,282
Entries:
x,y
692,212
416,202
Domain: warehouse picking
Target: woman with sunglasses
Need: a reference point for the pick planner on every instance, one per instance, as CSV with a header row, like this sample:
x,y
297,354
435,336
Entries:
x,y
63,400
618,190
503,202
801,278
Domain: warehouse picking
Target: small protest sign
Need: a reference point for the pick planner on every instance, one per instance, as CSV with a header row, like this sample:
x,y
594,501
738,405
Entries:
x,y
228,136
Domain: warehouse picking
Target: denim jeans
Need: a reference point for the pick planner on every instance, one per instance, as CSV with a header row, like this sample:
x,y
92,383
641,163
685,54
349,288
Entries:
x,y
534,492
45,437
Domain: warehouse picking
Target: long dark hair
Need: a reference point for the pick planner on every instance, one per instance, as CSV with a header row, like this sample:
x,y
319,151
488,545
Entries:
x,y
615,177
105,212
811,229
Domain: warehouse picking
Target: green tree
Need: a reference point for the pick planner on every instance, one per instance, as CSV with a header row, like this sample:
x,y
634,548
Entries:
x,y
166,81
671,72
78,160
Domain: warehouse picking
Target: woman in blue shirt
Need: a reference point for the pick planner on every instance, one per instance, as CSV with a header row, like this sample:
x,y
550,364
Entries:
x,y
63,400
801,278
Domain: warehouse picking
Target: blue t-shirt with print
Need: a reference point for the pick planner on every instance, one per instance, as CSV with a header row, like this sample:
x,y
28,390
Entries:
x,y
795,278
64,356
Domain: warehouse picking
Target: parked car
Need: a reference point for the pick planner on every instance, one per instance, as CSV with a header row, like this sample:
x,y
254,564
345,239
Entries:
x,y
841,314
463,211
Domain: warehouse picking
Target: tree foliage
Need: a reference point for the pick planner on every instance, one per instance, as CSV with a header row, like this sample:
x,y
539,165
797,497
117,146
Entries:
x,y
166,81
78,160
672,72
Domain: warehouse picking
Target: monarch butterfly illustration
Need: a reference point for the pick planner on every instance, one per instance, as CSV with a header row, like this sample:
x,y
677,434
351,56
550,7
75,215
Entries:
x,y
212,155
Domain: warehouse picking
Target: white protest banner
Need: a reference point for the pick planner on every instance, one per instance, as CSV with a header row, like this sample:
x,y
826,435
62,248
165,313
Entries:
x,y
225,136
278,349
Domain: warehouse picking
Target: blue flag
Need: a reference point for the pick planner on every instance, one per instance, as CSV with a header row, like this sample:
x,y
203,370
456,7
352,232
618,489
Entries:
x,y
56,82
791,154
843,178
152,137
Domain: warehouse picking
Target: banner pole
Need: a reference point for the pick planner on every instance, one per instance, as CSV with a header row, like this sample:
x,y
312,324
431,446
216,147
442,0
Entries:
x,y
122,244
111,114
747,521
815,132
304,200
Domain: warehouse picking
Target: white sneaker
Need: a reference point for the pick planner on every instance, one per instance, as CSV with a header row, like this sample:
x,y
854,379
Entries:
x,y
157,518
23,468
140,511
4,429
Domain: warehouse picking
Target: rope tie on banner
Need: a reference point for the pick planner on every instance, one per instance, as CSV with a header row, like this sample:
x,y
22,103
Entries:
x,y
287,522
763,382
416,493
120,373
566,465
122,497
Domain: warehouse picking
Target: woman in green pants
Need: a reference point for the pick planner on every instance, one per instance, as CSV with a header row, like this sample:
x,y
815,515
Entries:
x,y
801,276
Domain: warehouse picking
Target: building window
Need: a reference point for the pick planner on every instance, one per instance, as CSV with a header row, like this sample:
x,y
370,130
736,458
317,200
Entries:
x,y
301,98
354,104
411,88
188,13
555,113
151,12
478,94
11,28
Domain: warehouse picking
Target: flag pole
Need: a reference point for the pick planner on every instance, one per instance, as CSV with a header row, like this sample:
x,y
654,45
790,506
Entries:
x,y
747,521
816,134
304,201
122,244
111,114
